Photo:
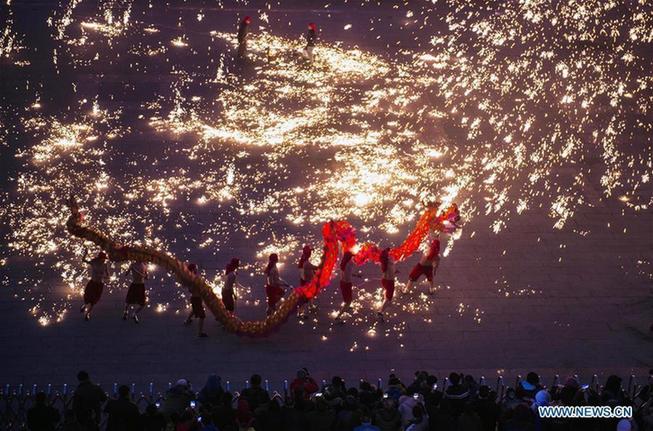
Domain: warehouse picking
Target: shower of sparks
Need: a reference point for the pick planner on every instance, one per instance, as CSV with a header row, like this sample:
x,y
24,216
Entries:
x,y
542,102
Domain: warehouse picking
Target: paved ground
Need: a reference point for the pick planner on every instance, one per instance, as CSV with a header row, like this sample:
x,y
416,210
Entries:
x,y
571,300
590,314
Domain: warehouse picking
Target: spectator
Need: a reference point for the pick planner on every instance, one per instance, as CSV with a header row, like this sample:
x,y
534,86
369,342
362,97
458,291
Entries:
x,y
206,423
123,413
336,389
42,417
419,385
366,423
152,419
569,391
510,402
406,405
304,385
87,402
369,395
212,392
526,389
224,416
177,400
348,416
432,402
294,416
542,399
472,387
272,418
395,388
70,421
487,408
469,419
244,415
520,420
321,418
387,418
255,395
420,421
455,396
613,395
186,421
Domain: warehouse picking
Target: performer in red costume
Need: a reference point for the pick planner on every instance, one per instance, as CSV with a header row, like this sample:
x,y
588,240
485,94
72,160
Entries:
x,y
311,38
94,287
427,266
387,281
243,30
273,287
346,284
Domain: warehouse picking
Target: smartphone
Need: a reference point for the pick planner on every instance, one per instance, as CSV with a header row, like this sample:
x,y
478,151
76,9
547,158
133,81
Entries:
x,y
318,394
158,404
385,395
416,396
192,404
199,419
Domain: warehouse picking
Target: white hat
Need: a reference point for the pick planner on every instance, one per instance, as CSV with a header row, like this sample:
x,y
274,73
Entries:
x,y
182,382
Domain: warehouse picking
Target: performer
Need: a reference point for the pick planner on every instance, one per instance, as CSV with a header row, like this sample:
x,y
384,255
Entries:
x,y
136,291
311,38
228,290
273,287
243,30
93,289
306,273
197,307
387,281
427,266
306,268
346,273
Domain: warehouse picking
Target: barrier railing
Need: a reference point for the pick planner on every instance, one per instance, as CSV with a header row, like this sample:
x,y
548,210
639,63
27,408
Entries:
x,y
16,400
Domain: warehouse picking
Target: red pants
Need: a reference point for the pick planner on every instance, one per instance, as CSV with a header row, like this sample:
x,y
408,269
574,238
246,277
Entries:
x,y
346,290
419,270
389,289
